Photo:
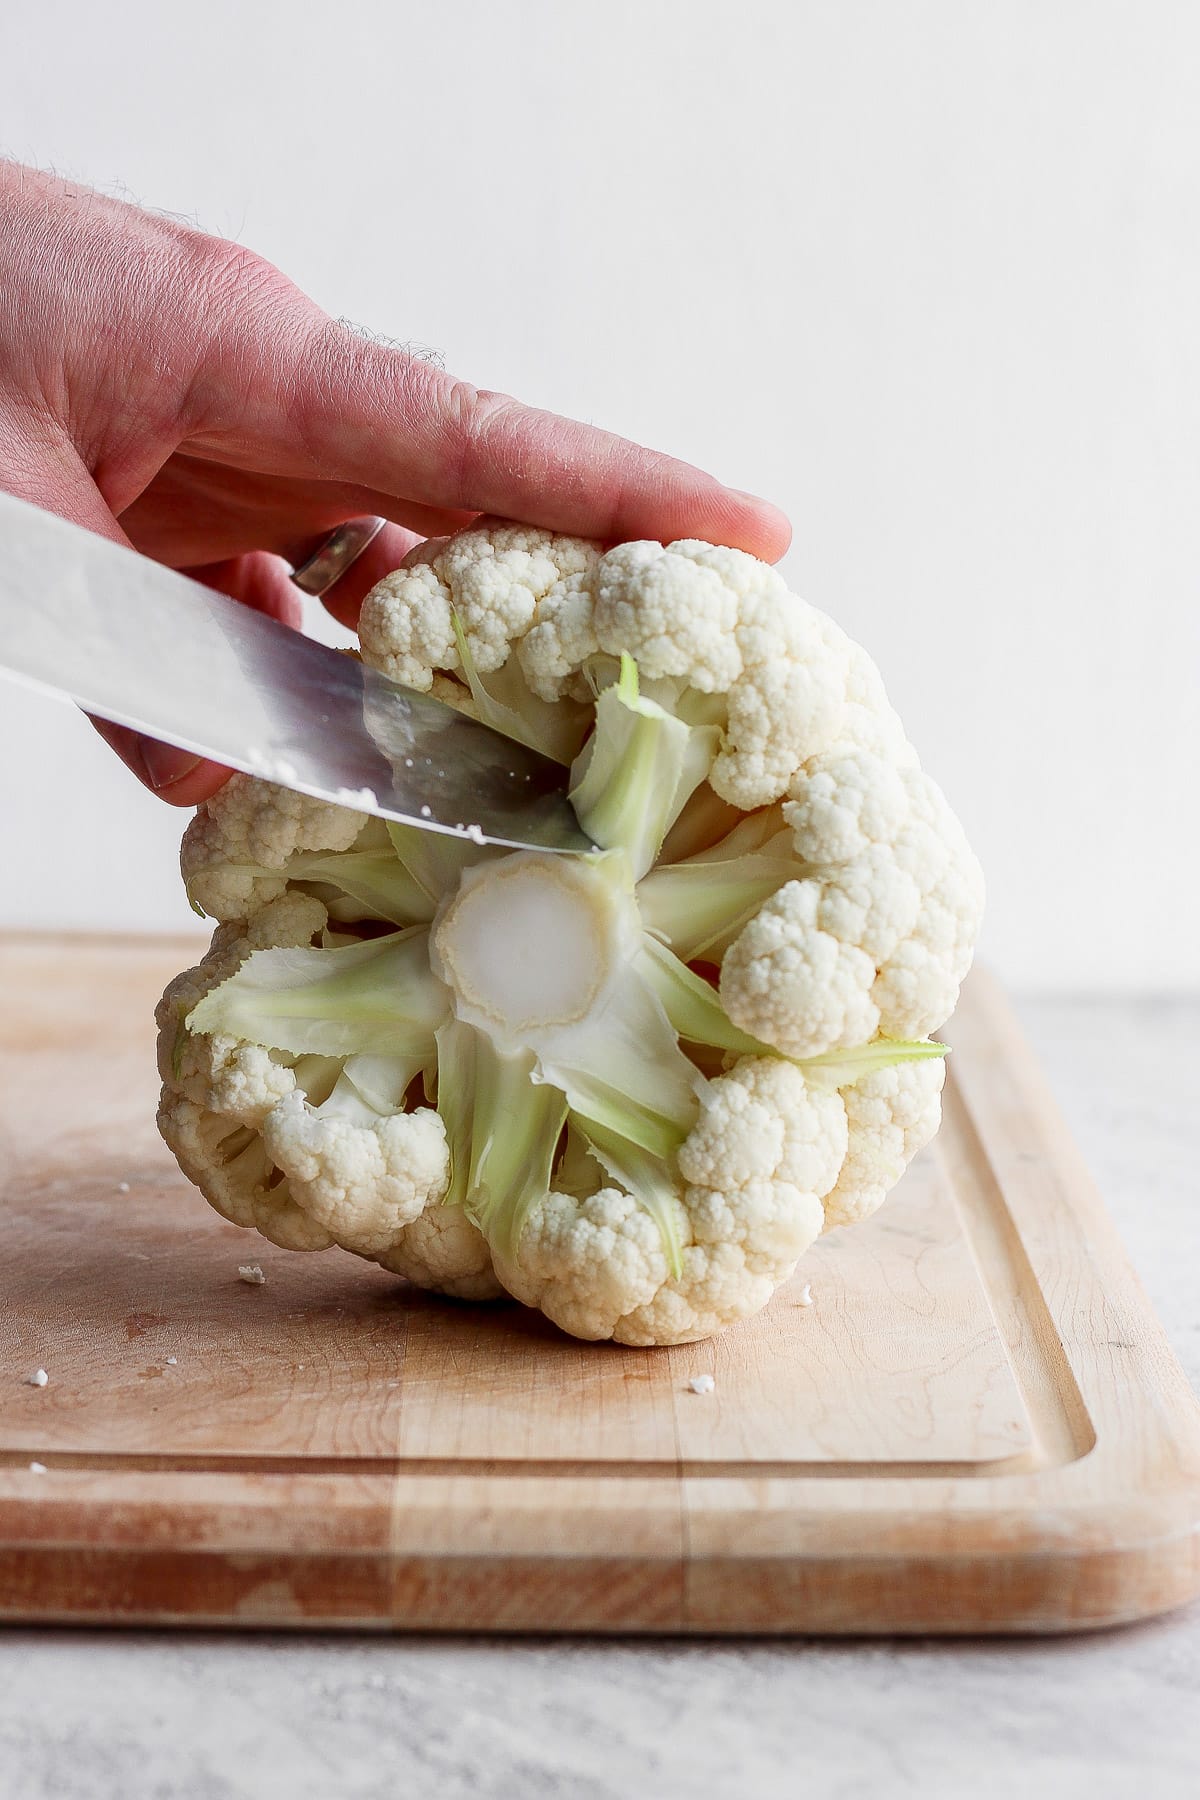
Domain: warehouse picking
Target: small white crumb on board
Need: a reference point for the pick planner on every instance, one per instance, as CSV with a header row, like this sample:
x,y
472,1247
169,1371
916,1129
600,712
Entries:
x,y
252,1274
804,1297
122,1187
172,1362
36,1468
702,1384
39,1378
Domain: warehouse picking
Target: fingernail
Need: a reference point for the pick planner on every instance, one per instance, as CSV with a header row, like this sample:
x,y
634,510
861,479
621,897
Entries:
x,y
165,764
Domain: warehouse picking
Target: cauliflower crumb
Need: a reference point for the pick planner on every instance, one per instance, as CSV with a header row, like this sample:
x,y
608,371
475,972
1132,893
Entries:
x,y
251,1273
122,1187
39,1378
702,1384
36,1468
804,1298
172,1362
361,799
427,812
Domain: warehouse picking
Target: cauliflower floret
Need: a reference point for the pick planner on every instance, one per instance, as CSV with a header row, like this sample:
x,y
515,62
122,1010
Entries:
x,y
585,1263
843,803
870,721
674,610
229,1164
240,1081
363,1177
918,983
306,1177
249,826
492,575
895,877
794,985
790,703
764,1122
726,623
891,1115
767,1145
444,1251
561,638
449,689
879,932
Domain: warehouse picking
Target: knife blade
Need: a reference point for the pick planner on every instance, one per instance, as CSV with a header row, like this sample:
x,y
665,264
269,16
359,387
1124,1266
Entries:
x,y
88,620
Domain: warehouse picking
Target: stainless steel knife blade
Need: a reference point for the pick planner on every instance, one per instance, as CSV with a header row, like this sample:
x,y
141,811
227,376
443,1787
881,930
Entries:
x,y
88,620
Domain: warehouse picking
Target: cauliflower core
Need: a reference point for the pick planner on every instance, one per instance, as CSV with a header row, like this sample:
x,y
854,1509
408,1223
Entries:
x,y
558,945
631,1088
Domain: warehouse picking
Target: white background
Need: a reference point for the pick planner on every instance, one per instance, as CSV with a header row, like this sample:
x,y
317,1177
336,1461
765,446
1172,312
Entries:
x,y
928,274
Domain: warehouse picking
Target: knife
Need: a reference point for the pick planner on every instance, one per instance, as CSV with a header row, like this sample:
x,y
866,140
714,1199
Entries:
x,y
87,620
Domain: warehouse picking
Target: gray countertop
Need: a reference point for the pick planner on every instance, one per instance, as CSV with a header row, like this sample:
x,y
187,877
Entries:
x,y
210,1717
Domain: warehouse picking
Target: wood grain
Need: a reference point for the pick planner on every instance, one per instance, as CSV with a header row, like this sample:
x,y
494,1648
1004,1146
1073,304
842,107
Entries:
x,y
976,1424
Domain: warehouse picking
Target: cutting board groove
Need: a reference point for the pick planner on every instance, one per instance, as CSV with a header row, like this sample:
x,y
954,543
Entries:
x,y
976,1425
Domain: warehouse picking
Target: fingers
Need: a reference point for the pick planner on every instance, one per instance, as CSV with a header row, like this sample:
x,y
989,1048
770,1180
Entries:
x,y
179,777
198,511
453,445
287,389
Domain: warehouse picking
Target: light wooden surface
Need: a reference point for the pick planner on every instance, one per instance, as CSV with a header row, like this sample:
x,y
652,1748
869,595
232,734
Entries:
x,y
976,1424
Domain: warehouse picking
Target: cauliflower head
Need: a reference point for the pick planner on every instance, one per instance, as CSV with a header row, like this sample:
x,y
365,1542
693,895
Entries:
x,y
629,1089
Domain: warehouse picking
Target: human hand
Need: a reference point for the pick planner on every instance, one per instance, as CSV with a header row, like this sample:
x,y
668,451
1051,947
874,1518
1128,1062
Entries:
x,y
176,392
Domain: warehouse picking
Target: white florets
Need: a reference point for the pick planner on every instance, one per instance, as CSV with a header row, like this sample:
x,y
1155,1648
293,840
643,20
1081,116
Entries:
x,y
249,826
890,1114
362,1182
492,577
795,985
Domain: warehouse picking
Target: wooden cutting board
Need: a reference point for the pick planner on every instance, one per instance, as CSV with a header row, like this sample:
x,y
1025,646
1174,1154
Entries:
x,y
975,1425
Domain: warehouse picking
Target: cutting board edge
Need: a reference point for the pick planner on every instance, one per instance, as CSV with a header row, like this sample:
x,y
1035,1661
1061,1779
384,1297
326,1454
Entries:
x,y
390,1552
966,1596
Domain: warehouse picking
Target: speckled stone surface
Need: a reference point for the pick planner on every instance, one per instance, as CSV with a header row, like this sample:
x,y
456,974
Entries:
x,y
155,1717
